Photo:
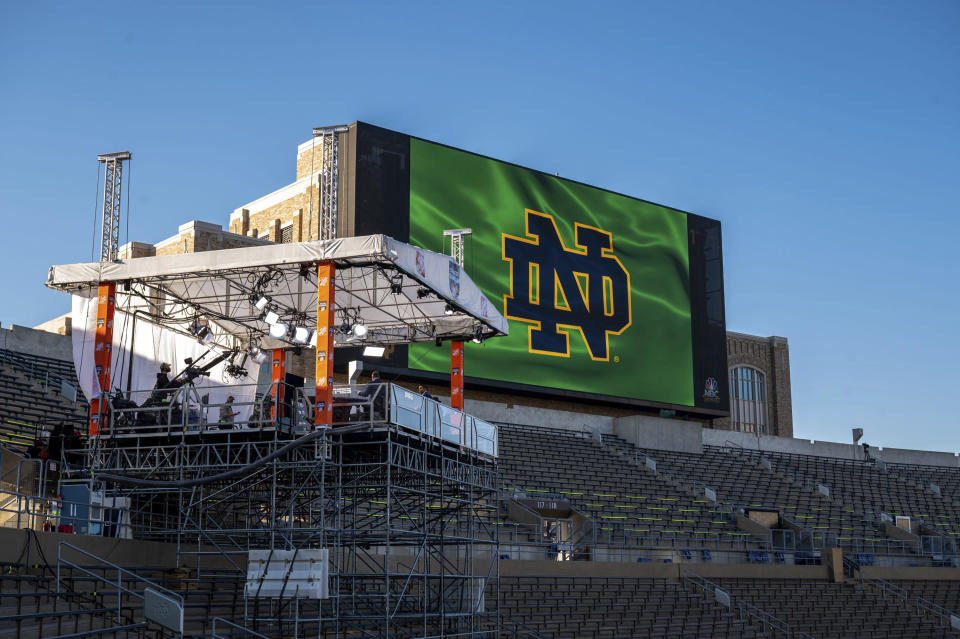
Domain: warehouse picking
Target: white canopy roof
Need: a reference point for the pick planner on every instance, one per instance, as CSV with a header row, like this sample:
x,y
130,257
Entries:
x,y
401,293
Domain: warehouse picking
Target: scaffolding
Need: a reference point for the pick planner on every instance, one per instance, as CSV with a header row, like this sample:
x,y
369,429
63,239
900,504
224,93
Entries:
x,y
401,492
337,511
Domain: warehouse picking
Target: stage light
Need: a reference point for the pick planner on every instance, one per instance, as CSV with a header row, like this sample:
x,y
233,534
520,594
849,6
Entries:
x,y
478,338
202,332
360,331
258,355
374,351
278,330
449,310
396,285
422,292
302,334
259,301
271,317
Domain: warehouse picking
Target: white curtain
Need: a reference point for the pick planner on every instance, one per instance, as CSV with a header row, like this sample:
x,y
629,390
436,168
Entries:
x,y
139,347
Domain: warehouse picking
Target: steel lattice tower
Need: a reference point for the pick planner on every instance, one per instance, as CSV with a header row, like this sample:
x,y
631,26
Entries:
x,y
112,187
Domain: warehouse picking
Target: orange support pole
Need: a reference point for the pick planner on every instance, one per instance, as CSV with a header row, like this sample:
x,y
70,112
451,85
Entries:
x,y
102,352
456,374
323,410
278,377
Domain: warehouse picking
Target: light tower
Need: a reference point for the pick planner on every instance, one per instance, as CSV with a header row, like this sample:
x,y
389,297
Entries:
x,y
456,346
328,180
112,186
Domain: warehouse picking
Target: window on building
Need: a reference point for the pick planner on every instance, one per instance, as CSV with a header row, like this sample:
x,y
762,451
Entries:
x,y
286,233
748,400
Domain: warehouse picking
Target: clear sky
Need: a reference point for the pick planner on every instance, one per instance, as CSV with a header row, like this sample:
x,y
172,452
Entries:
x,y
824,135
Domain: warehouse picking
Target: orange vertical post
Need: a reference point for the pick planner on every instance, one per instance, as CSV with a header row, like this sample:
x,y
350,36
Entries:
x,y
278,377
323,409
102,352
456,374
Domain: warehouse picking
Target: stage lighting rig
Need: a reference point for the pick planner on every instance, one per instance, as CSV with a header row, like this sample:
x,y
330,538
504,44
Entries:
x,y
237,371
258,355
271,317
396,284
202,332
302,335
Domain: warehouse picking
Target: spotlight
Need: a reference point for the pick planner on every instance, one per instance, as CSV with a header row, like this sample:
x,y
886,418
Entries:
x,y
449,310
396,285
302,334
259,301
202,333
278,330
360,331
374,351
271,317
478,336
438,340
258,355
422,292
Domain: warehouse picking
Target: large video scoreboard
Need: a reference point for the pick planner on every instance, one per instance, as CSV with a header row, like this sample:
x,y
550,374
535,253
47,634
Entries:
x,y
608,296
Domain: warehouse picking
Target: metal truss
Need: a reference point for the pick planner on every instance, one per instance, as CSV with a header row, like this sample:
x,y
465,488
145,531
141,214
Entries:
x,y
329,179
222,298
112,187
410,524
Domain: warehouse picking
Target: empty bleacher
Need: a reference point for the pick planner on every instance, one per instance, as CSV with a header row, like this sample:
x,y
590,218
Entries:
x,y
616,494
741,481
871,489
31,397
613,608
826,610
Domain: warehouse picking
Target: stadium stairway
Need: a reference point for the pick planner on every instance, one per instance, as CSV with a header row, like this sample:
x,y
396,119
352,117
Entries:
x,y
30,608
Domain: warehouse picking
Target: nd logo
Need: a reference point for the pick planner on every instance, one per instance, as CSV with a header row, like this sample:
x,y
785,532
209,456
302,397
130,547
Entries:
x,y
558,290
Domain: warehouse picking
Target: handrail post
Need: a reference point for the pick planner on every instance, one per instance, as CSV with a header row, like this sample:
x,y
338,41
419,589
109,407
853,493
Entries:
x,y
58,570
119,593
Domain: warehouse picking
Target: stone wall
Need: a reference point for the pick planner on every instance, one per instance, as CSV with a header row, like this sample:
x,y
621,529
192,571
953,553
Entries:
x,y
31,341
770,355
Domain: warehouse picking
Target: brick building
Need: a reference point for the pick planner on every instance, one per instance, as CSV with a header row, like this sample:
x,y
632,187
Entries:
x,y
759,369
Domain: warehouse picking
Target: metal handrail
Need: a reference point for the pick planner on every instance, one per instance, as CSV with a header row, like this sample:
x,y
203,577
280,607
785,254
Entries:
x,y
944,615
744,608
215,635
121,573
18,361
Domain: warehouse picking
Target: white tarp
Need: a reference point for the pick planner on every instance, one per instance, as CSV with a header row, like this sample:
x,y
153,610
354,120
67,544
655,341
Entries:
x,y
214,280
139,347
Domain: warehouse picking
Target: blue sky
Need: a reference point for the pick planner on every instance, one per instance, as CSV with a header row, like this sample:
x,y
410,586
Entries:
x,y
824,135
